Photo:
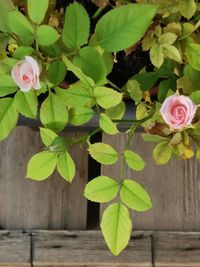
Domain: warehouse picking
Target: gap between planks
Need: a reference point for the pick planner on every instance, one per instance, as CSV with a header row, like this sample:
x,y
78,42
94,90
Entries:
x,y
87,248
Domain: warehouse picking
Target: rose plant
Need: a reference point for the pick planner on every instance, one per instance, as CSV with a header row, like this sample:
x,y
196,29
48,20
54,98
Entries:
x,y
40,46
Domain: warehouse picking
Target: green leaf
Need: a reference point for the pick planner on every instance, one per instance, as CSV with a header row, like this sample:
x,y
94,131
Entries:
x,y
22,51
122,27
76,27
133,160
195,97
153,138
27,103
37,10
81,115
101,189
56,72
103,153
117,112
133,87
198,153
164,88
21,27
107,125
173,53
47,136
77,95
167,38
78,72
116,226
156,55
6,6
193,54
146,80
162,153
66,166
53,113
59,145
8,117
134,196
107,97
96,69
187,8
7,85
166,70
46,35
41,165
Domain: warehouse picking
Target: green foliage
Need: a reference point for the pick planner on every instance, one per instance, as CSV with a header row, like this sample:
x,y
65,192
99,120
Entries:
x,y
66,166
117,112
167,32
187,8
37,10
27,104
133,160
6,6
103,153
21,27
41,165
7,85
107,97
46,35
134,196
23,51
124,26
78,72
56,72
133,87
116,227
76,96
101,189
162,153
76,26
53,113
8,117
107,125
153,138
47,136
146,80
80,115
193,54
96,69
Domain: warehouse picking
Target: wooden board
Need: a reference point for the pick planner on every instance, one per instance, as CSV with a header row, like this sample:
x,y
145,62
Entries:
x,y
27,204
82,248
176,249
14,249
174,188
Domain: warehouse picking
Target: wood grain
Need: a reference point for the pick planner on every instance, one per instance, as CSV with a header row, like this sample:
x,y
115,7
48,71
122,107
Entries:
x,y
176,250
174,188
87,248
27,204
14,249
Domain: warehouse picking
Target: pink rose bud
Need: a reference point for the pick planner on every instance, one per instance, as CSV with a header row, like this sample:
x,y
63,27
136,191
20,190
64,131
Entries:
x,y
26,74
178,111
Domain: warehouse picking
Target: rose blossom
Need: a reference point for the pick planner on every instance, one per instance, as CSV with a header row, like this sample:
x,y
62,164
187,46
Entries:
x,y
26,74
178,111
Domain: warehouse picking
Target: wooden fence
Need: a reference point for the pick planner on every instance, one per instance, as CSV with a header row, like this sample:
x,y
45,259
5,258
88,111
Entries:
x,y
27,207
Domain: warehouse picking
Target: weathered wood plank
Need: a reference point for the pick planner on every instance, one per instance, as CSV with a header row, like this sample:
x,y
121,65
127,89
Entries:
x,y
176,249
174,188
86,248
51,204
14,249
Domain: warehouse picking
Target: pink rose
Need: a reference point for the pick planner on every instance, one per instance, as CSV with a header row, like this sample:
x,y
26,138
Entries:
x,y
178,111
26,74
